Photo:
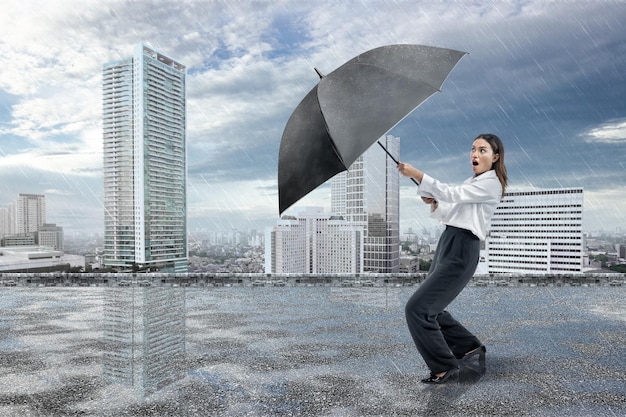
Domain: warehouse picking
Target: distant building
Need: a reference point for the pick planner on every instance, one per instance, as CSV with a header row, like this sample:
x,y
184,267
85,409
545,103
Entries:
x,y
30,213
368,195
145,221
537,232
314,242
24,239
409,264
23,223
50,235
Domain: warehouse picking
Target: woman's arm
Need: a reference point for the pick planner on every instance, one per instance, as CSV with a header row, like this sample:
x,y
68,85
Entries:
x,y
484,188
481,189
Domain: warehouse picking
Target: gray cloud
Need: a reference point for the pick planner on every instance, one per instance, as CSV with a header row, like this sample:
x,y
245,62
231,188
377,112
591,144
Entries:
x,y
546,76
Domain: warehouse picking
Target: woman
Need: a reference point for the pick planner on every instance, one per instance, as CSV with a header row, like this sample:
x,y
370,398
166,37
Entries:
x,y
441,340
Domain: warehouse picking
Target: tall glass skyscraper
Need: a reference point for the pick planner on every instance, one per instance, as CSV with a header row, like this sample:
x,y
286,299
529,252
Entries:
x,y
145,221
368,194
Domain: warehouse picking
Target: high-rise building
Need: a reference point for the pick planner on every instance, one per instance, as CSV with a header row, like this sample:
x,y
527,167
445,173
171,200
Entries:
x,y
30,213
368,195
314,242
537,232
145,173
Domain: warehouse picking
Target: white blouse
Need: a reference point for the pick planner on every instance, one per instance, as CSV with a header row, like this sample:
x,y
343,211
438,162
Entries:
x,y
468,206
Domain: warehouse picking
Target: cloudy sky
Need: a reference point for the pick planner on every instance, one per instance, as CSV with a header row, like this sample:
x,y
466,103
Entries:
x,y
547,77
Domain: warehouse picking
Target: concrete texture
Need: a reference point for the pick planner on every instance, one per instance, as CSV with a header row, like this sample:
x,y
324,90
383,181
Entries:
x,y
322,351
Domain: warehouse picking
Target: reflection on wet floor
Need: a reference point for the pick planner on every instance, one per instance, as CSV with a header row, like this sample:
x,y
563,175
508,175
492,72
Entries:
x,y
303,351
143,337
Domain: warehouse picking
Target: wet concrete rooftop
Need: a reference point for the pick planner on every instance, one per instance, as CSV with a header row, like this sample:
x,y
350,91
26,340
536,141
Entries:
x,y
316,351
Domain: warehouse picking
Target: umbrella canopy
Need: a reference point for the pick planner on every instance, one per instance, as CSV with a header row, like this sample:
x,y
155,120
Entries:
x,y
352,107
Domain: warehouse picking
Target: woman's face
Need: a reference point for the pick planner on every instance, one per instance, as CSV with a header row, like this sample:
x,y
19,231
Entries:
x,y
482,156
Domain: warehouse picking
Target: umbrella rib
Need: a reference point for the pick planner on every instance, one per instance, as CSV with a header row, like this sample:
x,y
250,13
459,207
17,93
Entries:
x,y
332,142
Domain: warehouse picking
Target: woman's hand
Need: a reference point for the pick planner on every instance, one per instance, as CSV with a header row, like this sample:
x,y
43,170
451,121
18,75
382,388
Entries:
x,y
409,171
406,169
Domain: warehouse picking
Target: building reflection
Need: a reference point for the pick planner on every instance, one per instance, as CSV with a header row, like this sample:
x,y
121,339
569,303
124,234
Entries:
x,y
144,337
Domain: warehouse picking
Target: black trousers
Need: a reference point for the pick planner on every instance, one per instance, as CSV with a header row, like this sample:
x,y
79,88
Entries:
x,y
439,338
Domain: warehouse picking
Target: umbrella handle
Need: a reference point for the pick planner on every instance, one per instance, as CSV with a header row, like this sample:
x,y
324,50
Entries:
x,y
395,160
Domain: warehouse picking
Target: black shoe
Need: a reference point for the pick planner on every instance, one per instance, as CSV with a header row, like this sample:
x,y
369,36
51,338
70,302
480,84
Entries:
x,y
450,376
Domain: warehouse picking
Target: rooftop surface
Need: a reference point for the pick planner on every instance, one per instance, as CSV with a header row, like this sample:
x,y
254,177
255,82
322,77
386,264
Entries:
x,y
320,351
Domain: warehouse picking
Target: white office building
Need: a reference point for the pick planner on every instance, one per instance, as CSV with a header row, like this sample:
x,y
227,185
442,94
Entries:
x,y
30,213
368,195
314,242
145,162
537,232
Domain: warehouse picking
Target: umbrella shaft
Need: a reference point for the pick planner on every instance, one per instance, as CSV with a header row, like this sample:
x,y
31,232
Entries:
x,y
395,160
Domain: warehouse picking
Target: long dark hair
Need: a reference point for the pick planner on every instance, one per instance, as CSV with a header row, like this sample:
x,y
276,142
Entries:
x,y
498,166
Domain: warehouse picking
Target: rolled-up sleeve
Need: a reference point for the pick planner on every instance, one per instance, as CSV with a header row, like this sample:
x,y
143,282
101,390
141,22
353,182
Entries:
x,y
426,185
440,212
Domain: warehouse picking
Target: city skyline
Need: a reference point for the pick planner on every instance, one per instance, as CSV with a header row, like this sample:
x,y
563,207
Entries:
x,y
545,76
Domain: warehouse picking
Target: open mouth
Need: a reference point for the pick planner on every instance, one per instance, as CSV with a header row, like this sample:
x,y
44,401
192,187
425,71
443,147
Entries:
x,y
475,163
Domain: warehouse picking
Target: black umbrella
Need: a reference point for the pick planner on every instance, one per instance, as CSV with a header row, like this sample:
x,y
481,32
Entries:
x,y
352,107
